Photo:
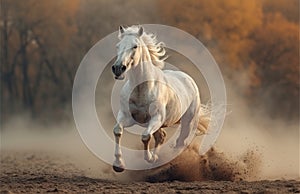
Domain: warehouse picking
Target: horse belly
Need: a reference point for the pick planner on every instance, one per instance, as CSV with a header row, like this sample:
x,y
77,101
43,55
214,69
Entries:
x,y
183,91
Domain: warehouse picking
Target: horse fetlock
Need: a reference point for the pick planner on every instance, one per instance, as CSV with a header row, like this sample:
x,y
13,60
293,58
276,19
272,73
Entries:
x,y
118,130
119,162
146,138
118,154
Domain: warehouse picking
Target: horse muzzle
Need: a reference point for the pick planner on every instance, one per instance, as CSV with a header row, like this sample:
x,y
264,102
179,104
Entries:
x,y
118,71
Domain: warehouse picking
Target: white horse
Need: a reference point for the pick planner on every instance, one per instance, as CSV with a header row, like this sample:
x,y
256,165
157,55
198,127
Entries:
x,y
152,98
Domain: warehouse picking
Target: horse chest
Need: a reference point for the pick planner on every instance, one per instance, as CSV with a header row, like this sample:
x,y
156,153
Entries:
x,y
139,110
139,102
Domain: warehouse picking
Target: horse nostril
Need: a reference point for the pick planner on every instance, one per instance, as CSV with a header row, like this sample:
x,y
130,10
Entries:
x,y
123,68
113,68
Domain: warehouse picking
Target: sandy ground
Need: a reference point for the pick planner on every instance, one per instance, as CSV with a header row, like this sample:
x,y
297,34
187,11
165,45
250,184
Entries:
x,y
56,160
41,172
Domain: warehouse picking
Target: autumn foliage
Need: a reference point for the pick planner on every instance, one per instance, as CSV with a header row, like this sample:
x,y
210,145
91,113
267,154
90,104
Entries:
x,y
42,43
260,38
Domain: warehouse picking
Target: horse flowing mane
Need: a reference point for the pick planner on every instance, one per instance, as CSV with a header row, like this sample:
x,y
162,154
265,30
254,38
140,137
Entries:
x,y
156,49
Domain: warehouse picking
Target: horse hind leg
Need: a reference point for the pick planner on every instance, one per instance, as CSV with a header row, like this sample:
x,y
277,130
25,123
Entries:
x,y
184,129
149,156
159,137
188,122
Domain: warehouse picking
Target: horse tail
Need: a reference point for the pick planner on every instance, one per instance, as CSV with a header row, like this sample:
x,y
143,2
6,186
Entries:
x,y
205,118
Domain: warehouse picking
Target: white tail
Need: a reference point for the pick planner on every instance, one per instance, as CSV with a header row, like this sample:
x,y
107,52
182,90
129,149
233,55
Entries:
x,y
205,118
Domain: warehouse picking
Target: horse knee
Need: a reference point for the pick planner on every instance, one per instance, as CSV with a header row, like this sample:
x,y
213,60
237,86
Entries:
x,y
118,130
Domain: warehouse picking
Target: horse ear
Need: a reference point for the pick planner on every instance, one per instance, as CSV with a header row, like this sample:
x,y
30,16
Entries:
x,y
141,31
121,31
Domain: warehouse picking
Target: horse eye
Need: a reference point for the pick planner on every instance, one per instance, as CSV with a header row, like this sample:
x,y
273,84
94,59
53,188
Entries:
x,y
134,47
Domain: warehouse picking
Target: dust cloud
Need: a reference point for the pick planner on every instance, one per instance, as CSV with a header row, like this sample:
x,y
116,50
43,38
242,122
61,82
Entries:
x,y
251,146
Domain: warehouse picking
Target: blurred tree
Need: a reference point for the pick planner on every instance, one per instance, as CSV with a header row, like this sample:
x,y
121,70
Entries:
x,y
256,43
224,26
28,67
96,18
288,8
43,42
276,54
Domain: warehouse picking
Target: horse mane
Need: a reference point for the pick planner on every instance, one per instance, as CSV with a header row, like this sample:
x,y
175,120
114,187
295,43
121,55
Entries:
x,y
156,49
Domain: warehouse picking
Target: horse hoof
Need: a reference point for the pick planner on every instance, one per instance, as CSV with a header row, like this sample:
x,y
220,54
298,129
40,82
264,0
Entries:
x,y
154,158
118,168
151,159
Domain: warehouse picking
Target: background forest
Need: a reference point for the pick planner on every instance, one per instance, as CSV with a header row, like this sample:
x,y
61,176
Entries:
x,y
43,42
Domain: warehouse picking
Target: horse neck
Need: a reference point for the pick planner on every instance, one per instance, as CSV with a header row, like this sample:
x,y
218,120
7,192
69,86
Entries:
x,y
144,70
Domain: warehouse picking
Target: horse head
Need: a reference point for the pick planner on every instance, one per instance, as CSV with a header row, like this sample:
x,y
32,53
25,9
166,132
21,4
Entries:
x,y
128,51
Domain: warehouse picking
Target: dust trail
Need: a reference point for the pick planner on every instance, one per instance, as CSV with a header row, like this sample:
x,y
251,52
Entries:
x,y
239,154
23,135
214,165
250,147
251,127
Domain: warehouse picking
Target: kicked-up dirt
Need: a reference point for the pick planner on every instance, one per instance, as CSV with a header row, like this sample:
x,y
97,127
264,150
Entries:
x,y
46,172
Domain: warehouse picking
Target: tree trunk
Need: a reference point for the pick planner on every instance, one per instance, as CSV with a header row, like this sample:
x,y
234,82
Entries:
x,y
26,90
6,75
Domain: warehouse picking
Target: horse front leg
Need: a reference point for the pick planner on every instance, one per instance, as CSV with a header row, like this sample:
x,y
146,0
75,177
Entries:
x,y
154,124
119,164
122,122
